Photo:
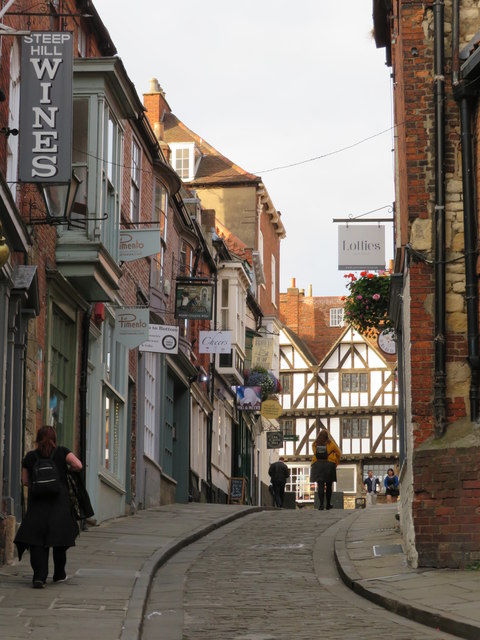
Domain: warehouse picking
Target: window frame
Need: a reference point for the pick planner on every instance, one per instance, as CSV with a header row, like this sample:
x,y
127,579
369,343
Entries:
x,y
365,420
114,360
184,166
337,318
160,215
348,388
135,180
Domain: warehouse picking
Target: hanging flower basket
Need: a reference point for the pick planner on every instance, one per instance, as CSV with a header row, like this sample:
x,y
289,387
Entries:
x,y
366,306
260,377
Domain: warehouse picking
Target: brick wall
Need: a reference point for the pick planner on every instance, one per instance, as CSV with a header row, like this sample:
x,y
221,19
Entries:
x,y
446,511
309,317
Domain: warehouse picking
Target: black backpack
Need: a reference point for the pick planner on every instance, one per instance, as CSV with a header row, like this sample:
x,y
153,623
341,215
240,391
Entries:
x,y
322,453
45,476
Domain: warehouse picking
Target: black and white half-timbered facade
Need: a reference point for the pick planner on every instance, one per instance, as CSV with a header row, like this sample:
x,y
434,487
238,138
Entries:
x,y
352,393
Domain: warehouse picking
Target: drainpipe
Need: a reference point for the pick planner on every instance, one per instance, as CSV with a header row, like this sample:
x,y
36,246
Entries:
x,y
469,216
212,396
439,391
83,386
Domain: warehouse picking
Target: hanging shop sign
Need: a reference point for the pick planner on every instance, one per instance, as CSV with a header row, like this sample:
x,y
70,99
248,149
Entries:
x,y
132,326
274,439
45,148
193,301
161,339
215,342
138,243
361,247
271,409
262,353
249,398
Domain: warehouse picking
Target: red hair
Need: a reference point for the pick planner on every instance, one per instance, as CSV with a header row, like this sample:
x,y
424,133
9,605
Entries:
x,y
46,440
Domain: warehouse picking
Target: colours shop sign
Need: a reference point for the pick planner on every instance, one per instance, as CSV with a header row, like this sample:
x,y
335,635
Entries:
x,y
46,107
361,247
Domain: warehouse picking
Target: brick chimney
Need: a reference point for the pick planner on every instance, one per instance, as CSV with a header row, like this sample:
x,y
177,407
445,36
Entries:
x,y
290,307
156,106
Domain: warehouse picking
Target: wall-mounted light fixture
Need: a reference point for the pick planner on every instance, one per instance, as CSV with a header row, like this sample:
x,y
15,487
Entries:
x,y
59,200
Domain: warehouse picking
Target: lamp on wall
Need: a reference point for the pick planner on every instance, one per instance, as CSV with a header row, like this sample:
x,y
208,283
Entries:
x,y
59,199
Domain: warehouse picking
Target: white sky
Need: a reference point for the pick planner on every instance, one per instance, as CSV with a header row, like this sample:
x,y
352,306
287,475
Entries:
x,y
270,83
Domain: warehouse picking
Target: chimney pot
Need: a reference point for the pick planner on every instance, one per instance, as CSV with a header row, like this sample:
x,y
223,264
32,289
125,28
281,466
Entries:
x,y
155,87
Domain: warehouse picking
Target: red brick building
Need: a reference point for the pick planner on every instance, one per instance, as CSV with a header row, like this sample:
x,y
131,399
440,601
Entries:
x,y
431,52
318,320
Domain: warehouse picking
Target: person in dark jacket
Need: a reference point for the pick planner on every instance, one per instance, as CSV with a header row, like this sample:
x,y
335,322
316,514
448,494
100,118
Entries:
x,y
326,456
391,486
49,520
278,472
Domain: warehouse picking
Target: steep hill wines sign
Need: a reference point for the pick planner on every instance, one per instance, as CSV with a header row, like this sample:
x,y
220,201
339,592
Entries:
x,y
46,107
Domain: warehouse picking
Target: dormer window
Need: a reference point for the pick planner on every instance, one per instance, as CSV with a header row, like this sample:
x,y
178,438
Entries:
x,y
336,317
185,158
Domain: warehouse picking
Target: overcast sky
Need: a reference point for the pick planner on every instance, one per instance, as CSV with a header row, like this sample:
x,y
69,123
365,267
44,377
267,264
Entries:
x,y
271,83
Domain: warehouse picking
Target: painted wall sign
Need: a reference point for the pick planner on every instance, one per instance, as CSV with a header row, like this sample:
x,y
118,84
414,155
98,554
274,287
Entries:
x,y
262,353
193,301
138,243
215,342
132,326
161,339
361,247
45,148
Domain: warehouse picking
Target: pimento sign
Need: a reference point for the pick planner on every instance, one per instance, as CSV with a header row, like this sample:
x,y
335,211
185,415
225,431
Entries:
x,y
45,153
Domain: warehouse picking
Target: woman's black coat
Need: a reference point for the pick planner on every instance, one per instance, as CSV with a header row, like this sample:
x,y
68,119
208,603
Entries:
x,y
49,520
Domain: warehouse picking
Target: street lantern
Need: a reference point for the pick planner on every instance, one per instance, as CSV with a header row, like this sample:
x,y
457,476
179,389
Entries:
x,y
59,199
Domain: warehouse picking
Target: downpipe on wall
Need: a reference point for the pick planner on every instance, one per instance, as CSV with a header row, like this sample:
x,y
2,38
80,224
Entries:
x,y
439,383
463,99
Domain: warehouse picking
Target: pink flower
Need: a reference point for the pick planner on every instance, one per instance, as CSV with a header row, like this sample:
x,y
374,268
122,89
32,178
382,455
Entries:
x,y
376,296
359,297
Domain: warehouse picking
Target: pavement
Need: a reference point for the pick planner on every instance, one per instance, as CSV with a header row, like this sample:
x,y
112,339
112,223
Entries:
x,y
371,561
112,567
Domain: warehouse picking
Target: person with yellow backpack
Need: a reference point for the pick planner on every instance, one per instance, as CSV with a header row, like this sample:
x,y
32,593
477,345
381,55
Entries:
x,y
326,456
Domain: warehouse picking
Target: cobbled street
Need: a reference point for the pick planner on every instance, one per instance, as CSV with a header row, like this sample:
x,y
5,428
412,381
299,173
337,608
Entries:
x,y
268,576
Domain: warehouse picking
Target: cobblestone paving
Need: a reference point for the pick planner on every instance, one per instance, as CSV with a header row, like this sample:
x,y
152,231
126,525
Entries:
x,y
269,576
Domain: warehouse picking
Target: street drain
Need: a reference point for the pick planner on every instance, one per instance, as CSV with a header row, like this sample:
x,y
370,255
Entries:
x,y
387,549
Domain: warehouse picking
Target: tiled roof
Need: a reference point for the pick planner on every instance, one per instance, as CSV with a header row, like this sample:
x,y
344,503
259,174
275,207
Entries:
x,y
214,168
234,244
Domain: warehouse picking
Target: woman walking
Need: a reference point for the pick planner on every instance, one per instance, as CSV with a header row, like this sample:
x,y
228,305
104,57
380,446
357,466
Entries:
x,y
326,456
391,486
49,520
